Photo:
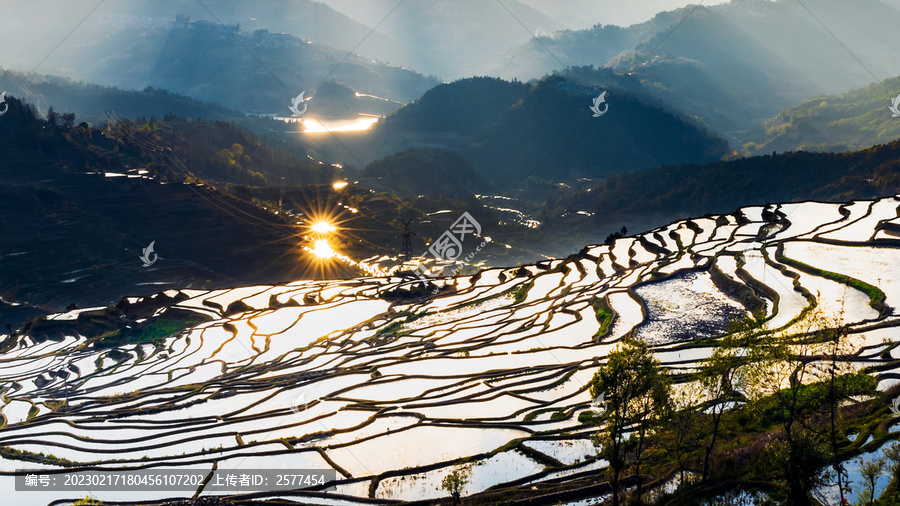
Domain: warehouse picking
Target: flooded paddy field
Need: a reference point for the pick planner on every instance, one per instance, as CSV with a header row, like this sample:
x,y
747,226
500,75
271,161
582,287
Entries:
x,y
394,390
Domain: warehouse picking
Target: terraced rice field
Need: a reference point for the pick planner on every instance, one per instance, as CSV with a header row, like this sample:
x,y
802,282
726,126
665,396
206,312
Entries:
x,y
392,391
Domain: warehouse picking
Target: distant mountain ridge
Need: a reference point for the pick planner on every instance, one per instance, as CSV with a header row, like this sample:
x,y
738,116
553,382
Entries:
x,y
253,72
735,64
452,39
109,35
782,27
307,19
211,61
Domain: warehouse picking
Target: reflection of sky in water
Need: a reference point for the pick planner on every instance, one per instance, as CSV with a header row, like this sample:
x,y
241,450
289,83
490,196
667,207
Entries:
x,y
687,306
315,126
500,468
855,477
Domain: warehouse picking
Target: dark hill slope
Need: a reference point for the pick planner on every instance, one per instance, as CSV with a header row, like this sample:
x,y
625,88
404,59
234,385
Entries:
x,y
720,187
415,172
511,131
73,226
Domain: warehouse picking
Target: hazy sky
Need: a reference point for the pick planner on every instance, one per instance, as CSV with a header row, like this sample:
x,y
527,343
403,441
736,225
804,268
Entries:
x,y
579,14
574,14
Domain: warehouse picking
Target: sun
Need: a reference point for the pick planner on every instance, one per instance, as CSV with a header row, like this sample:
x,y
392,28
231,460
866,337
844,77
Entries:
x,y
322,227
325,231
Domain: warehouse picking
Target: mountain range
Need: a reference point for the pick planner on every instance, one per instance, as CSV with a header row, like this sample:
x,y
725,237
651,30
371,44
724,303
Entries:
x,y
511,131
253,72
735,64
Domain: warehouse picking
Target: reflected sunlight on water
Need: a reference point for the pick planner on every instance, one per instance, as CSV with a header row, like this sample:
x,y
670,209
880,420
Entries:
x,y
314,125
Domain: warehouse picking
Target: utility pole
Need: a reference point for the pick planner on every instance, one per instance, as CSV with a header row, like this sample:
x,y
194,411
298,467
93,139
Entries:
x,y
406,251
281,197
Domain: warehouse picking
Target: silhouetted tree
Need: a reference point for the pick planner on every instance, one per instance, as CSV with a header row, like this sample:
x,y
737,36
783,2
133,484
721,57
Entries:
x,y
635,389
721,379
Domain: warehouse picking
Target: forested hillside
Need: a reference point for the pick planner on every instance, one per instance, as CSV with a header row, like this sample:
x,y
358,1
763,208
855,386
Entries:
x,y
852,120
510,130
